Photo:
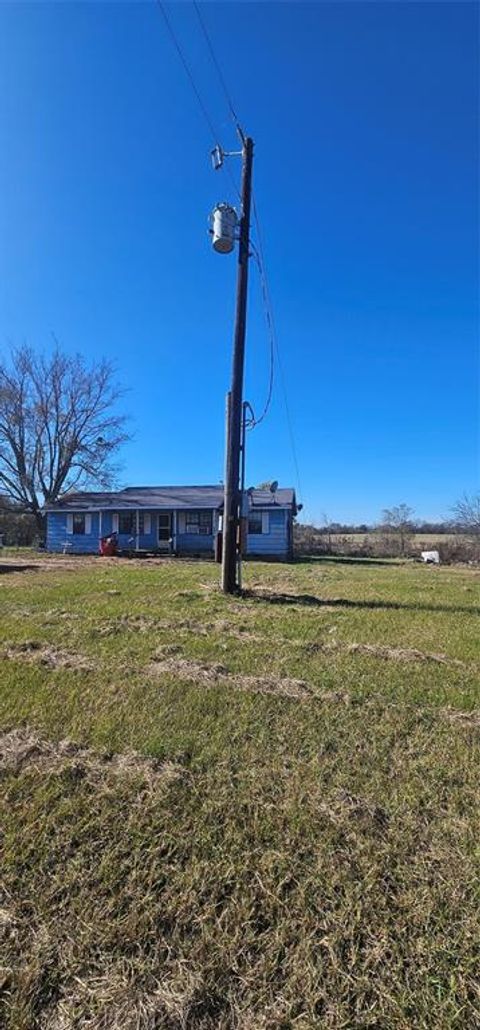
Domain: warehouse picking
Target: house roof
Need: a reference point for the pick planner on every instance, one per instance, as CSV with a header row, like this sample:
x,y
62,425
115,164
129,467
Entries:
x,y
166,497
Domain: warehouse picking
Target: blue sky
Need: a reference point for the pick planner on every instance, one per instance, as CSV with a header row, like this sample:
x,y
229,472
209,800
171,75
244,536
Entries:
x,y
366,165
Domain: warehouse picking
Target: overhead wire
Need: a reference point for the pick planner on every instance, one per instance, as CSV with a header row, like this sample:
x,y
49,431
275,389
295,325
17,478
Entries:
x,y
188,71
253,422
268,314
191,78
259,249
288,417
218,70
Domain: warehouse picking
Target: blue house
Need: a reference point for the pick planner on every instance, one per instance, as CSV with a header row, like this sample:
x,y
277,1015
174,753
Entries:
x,y
179,520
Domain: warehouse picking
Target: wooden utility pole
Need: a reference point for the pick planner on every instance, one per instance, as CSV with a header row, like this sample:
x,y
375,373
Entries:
x,y
232,499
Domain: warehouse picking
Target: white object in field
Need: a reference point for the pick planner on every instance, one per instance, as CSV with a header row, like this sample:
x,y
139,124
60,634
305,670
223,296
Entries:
x,y
431,557
224,220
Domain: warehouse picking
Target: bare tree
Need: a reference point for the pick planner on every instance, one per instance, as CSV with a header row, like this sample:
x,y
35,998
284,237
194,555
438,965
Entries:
x,y
398,521
466,516
326,530
58,427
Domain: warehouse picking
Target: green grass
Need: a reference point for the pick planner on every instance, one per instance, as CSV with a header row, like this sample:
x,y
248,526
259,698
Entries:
x,y
287,833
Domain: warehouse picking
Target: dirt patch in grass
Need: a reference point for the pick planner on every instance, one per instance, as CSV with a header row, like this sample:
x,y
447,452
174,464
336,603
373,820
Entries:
x,y
127,624
467,719
238,631
360,812
171,1004
281,686
395,654
20,748
60,613
187,668
215,673
146,623
401,654
48,564
36,653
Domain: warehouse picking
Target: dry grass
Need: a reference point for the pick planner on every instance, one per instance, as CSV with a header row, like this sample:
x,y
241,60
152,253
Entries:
x,y
34,652
392,654
20,748
213,673
256,814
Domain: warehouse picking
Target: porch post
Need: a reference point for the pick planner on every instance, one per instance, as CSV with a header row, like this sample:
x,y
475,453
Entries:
x,y
137,529
99,528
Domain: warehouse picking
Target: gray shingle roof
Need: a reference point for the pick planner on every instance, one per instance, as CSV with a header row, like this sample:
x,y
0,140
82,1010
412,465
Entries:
x,y
165,497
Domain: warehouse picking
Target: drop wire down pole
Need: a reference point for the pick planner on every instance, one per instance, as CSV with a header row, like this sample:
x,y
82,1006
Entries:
x,y
232,498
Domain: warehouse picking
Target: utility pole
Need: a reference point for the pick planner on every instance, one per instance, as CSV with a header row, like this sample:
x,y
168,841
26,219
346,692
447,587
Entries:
x,y
232,498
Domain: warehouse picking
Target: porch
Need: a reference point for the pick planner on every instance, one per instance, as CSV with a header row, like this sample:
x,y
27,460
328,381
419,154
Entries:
x,y
161,532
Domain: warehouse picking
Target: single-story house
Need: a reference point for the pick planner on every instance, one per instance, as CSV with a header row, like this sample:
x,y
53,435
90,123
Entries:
x,y
181,520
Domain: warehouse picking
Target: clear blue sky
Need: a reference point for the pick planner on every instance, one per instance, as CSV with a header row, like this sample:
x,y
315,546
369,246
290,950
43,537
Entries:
x,y
364,118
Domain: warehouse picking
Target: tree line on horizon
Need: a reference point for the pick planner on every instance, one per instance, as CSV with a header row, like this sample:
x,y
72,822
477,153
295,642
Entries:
x,y
456,538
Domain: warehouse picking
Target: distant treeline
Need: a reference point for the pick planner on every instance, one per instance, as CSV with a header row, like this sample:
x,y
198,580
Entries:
x,y
18,528
454,544
351,529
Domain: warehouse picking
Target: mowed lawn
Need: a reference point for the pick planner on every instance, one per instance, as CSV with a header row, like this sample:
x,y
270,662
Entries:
x,y
250,813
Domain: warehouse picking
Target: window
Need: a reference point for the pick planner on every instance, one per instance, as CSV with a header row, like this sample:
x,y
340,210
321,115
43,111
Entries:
x,y
144,523
255,523
126,523
199,522
78,524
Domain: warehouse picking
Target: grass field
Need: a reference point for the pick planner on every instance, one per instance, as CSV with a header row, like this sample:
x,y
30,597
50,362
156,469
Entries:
x,y
256,813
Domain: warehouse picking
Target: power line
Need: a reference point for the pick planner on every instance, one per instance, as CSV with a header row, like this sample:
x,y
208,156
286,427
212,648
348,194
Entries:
x,y
271,332
264,287
188,71
221,79
274,347
261,256
218,69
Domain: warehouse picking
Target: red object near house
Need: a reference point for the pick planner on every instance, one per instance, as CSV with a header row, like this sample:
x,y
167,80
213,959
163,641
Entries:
x,y
108,545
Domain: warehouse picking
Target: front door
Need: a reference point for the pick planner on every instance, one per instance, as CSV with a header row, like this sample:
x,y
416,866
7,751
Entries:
x,y
164,530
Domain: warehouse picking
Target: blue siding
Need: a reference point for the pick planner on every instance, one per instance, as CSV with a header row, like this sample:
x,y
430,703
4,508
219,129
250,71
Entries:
x,y
194,543
273,544
77,543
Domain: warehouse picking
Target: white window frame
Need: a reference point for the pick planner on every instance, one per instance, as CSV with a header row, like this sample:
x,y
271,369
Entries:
x,y
196,528
145,523
264,518
258,516
87,523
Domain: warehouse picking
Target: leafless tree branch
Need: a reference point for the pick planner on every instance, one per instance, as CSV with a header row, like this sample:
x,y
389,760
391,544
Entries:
x,y
59,428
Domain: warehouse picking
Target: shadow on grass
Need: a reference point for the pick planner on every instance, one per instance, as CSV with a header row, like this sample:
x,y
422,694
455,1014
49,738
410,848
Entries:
x,y
17,568
310,601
